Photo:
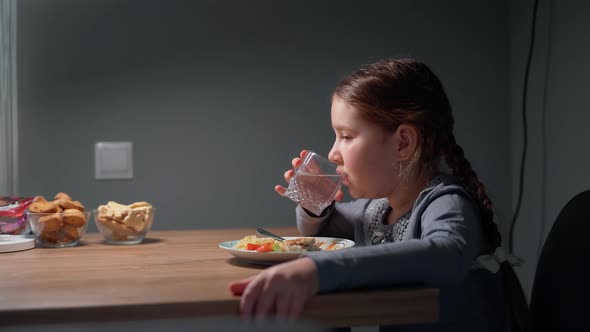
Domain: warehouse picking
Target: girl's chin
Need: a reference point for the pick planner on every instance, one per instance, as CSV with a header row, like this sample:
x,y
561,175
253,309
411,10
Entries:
x,y
356,194
353,193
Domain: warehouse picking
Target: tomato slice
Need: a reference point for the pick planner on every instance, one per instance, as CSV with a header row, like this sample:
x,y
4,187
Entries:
x,y
252,246
265,247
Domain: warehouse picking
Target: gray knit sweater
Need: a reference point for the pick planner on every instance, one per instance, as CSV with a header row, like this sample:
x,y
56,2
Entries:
x,y
442,236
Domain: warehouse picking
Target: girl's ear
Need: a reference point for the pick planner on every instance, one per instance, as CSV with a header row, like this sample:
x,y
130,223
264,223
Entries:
x,y
407,137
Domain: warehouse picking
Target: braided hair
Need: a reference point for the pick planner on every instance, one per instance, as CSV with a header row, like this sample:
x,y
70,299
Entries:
x,y
392,92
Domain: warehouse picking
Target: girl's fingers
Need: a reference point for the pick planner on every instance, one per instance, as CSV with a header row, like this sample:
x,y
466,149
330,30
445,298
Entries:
x,y
250,296
283,306
280,189
288,175
264,303
339,196
296,306
279,291
237,288
296,163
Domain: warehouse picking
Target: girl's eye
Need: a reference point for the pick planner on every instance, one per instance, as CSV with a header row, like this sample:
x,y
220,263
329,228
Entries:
x,y
346,137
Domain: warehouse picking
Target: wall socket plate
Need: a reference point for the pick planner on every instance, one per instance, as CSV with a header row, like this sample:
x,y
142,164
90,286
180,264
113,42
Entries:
x,y
113,160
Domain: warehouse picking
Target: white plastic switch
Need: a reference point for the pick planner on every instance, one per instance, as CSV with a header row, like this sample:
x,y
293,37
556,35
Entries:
x,y
113,160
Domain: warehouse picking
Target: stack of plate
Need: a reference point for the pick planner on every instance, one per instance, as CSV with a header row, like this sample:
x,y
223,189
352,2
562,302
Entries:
x,y
10,243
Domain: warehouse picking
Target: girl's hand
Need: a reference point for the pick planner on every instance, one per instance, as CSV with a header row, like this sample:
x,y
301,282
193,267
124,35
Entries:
x,y
281,290
296,163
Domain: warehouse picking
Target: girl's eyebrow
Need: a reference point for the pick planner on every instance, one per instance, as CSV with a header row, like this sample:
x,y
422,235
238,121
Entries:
x,y
340,127
345,128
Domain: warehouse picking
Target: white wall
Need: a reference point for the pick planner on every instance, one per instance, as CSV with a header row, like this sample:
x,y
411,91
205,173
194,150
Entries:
x,y
558,115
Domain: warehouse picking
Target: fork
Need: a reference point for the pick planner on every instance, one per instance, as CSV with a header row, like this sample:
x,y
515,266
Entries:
x,y
264,232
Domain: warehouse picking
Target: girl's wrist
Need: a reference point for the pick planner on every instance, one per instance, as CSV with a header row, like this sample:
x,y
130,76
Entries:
x,y
325,212
311,271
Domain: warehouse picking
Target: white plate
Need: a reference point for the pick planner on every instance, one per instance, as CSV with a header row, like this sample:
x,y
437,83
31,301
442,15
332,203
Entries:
x,y
9,243
277,257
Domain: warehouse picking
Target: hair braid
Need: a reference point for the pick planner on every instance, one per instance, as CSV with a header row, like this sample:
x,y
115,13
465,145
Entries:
x,y
517,316
462,170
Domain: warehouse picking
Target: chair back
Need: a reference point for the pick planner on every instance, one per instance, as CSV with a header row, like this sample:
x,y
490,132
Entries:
x,y
561,287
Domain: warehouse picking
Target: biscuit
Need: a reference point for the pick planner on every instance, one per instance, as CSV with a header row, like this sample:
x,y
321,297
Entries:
x,y
139,204
69,204
74,217
114,206
135,220
62,195
43,207
39,199
53,237
52,222
124,220
62,221
116,227
117,211
119,237
70,232
102,210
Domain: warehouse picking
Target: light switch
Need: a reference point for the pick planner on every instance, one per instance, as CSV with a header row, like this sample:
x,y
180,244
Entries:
x,y
113,160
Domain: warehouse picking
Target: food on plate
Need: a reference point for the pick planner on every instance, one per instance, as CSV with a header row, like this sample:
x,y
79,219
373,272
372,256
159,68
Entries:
x,y
266,244
301,244
125,220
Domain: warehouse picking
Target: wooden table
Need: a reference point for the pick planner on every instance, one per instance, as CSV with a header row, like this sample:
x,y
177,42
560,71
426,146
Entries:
x,y
172,274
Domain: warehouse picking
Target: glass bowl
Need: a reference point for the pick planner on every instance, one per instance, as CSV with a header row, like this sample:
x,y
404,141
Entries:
x,y
126,227
13,217
58,229
14,225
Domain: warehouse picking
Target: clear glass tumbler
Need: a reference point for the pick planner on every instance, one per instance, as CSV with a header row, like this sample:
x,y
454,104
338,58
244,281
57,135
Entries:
x,y
315,183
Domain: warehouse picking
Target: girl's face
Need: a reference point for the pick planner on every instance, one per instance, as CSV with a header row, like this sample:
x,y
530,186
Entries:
x,y
364,152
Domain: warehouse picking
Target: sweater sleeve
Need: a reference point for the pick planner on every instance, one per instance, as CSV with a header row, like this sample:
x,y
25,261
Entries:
x,y
338,222
449,241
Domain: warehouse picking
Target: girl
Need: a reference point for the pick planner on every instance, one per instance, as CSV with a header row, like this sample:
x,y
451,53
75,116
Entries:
x,y
420,215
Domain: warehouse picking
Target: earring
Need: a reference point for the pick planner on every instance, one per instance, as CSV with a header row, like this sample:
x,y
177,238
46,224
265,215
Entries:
x,y
398,165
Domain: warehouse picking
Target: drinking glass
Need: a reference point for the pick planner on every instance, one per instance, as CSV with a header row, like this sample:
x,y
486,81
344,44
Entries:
x,y
315,183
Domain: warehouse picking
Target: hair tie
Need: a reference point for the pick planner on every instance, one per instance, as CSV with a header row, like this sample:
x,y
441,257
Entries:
x,y
491,262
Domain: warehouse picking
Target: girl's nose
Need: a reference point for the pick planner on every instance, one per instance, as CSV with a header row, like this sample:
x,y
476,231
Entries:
x,y
334,156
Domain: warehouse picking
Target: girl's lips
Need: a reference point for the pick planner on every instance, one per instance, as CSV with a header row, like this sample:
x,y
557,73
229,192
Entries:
x,y
341,172
345,182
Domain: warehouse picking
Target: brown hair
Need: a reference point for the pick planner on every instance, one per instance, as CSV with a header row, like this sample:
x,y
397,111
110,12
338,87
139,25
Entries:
x,y
395,91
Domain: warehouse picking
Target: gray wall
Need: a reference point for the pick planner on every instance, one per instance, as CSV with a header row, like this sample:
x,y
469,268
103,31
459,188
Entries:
x,y
203,88
558,161
218,96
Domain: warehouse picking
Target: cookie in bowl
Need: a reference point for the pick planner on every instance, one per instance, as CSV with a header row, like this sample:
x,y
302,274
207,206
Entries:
x,y
58,223
122,223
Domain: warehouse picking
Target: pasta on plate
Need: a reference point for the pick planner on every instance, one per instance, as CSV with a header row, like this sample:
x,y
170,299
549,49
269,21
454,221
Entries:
x,y
266,244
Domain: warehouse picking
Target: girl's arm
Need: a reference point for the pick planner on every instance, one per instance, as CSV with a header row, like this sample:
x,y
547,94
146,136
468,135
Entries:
x,y
336,221
450,240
